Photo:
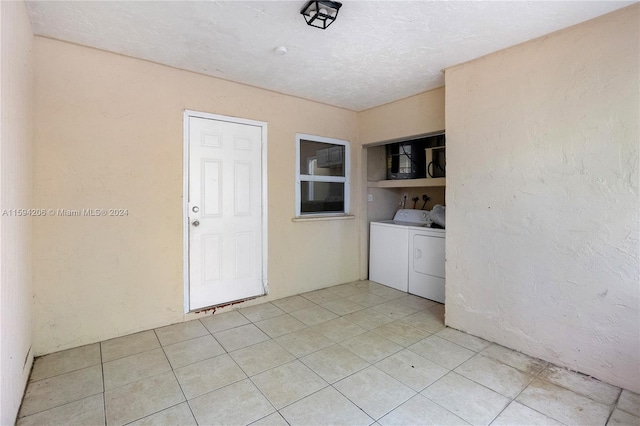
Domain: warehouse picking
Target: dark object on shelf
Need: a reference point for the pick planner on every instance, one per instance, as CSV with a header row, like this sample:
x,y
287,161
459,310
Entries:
x,y
436,162
406,160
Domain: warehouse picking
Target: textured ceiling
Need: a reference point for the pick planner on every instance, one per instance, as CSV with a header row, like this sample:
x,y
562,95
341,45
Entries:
x,y
374,53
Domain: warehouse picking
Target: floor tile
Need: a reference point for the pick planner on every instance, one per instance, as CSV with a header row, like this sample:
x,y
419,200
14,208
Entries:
x,y
339,329
518,414
225,321
320,296
466,399
563,405
65,361
240,337
367,299
342,306
280,325
177,333
314,315
303,342
132,344
293,303
140,399
412,369
208,375
395,310
436,310
261,357
288,383
618,418
334,363
346,290
425,320
465,340
368,318
261,312
417,302
374,391
64,388
194,350
584,385
496,376
237,404
401,333
517,360
325,407
371,346
368,285
442,351
133,368
178,415
87,411
388,292
274,419
629,402
420,411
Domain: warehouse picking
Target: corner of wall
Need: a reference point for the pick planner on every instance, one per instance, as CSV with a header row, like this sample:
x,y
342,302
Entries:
x,y
16,141
542,190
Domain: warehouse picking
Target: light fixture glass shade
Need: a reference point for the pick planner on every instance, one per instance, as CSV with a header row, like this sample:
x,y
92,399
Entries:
x,y
320,13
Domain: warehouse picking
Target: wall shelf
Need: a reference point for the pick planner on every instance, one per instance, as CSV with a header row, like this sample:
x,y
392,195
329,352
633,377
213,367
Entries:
x,y
407,183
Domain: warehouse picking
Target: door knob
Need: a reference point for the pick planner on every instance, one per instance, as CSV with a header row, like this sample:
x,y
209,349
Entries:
x,y
195,223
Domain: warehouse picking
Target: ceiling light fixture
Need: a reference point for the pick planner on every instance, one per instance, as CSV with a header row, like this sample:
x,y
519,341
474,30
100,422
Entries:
x,y
321,13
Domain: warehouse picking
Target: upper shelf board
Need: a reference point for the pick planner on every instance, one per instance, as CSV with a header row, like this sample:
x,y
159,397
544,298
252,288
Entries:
x,y
407,183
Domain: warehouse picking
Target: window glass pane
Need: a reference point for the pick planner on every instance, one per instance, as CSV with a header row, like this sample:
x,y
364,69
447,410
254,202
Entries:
x,y
322,197
321,159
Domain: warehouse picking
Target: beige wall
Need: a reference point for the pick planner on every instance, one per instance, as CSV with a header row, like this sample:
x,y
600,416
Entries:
x,y
542,198
109,135
16,88
415,115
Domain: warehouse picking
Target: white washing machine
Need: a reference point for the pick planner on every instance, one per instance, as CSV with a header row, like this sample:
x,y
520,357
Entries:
x,y
405,255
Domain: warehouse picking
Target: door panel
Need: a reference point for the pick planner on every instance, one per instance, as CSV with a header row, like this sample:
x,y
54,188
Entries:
x,y
427,267
389,255
212,180
428,255
243,186
224,212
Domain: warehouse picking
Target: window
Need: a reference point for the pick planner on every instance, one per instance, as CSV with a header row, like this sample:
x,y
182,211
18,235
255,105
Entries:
x,y
322,176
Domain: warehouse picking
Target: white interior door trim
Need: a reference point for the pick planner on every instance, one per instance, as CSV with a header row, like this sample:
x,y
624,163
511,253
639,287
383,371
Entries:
x,y
185,194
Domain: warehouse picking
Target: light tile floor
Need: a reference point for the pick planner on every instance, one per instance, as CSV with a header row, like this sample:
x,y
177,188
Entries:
x,y
353,354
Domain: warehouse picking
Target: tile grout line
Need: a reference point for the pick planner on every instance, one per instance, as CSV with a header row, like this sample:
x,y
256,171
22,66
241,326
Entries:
x,y
104,391
65,403
174,376
353,402
537,376
29,381
533,378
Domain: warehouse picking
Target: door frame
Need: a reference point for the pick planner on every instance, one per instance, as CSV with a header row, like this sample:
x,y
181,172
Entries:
x,y
185,193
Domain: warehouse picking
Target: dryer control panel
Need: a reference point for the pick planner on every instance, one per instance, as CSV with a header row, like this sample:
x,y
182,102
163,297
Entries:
x,y
415,216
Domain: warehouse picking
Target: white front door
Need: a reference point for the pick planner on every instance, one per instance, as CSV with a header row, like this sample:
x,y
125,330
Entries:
x,y
224,210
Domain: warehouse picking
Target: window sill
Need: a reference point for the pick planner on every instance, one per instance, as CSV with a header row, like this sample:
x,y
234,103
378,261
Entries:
x,y
316,218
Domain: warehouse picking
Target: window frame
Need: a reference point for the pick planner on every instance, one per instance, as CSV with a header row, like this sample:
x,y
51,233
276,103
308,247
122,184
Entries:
x,y
317,178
